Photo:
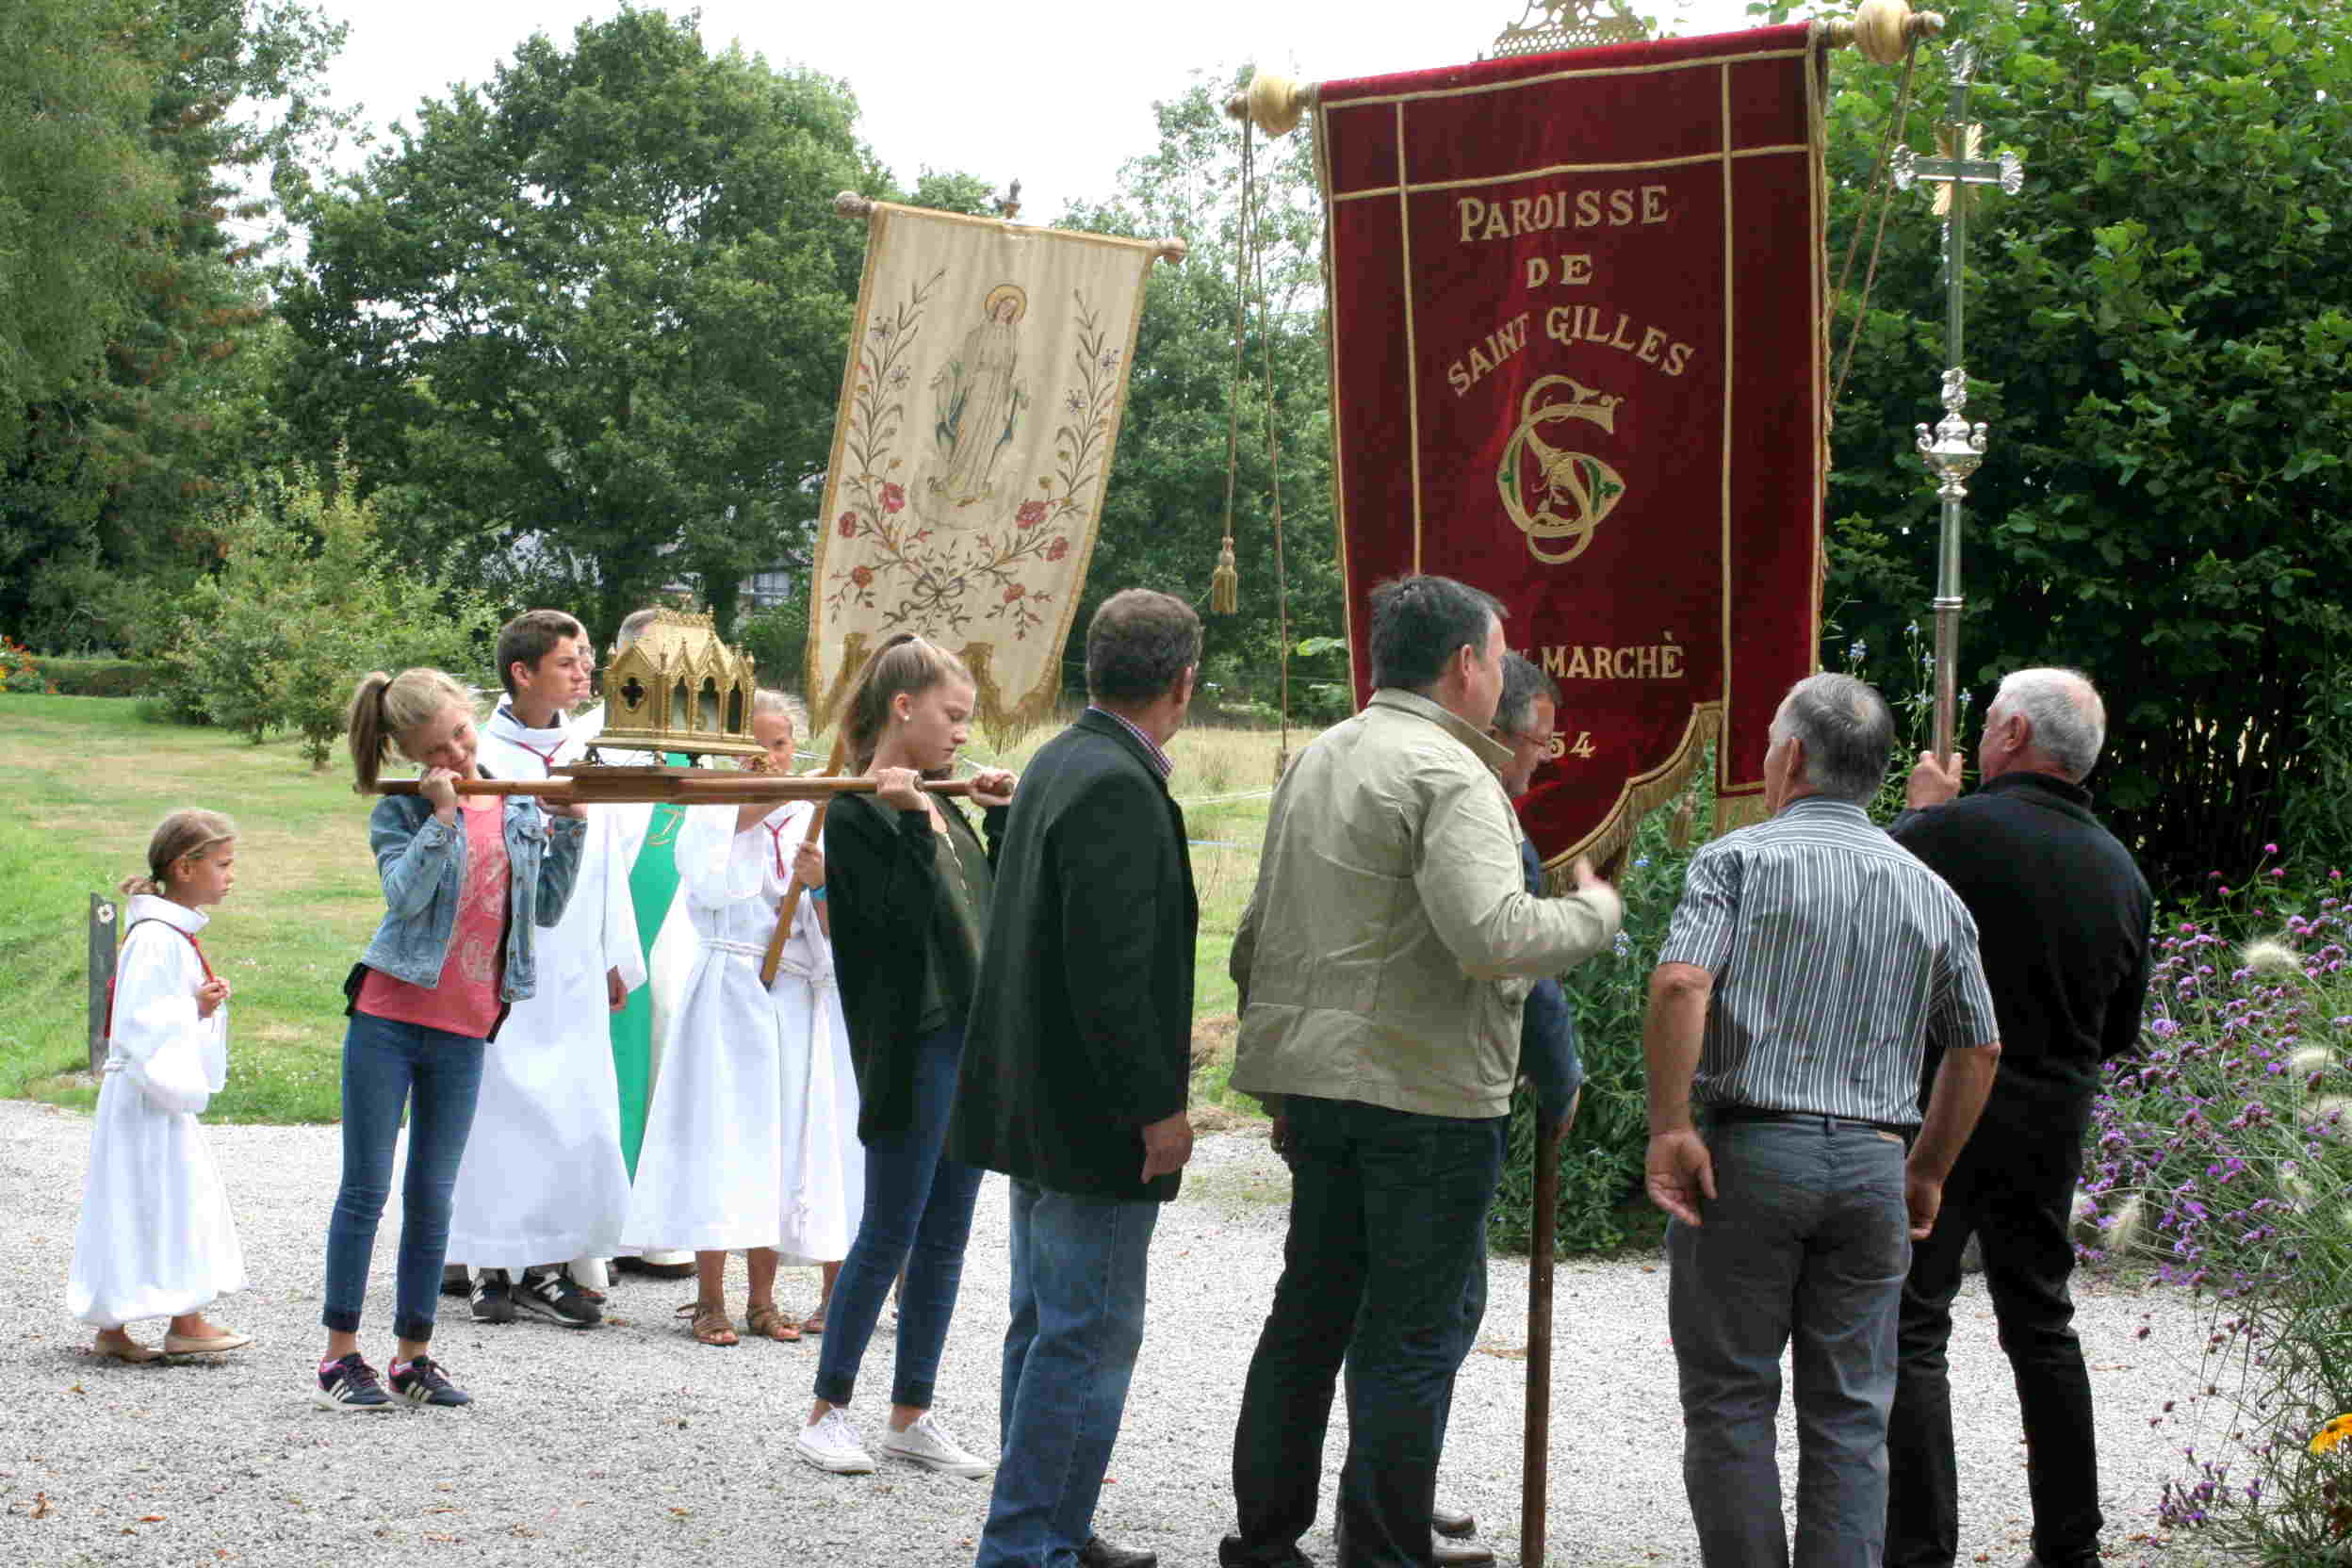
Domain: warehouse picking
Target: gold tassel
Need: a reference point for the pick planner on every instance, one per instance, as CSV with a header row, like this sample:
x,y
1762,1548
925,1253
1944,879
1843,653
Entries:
x,y
1678,830
1225,582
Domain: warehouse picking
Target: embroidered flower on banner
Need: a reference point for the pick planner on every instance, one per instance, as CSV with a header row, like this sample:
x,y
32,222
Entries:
x,y
849,525
1030,515
893,498
1013,591
1058,549
861,576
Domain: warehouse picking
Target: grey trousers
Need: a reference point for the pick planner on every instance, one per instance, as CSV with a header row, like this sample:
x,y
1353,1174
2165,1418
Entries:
x,y
1807,1241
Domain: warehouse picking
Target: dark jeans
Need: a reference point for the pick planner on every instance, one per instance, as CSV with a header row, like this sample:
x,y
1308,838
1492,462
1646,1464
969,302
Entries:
x,y
2012,1188
1804,1241
1387,1221
436,1076
1078,1268
918,1216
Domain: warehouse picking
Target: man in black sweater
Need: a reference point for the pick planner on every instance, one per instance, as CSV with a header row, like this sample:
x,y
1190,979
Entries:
x,y
1077,1068
2062,915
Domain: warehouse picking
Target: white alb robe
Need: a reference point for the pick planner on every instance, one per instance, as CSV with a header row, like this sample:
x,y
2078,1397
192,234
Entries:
x,y
156,1238
751,1138
543,1180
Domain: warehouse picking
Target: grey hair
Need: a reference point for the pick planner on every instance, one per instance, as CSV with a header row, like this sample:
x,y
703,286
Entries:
x,y
1523,680
633,627
1847,730
2068,720
768,700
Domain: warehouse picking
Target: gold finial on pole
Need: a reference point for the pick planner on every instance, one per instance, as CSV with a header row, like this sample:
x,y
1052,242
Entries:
x,y
1273,104
1883,30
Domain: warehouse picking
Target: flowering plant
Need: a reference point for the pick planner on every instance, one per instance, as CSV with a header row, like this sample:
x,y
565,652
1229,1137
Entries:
x,y
19,672
2220,1155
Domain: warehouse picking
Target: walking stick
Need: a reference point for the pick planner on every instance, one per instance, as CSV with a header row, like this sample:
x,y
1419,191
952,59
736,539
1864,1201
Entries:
x,y
1535,1461
784,911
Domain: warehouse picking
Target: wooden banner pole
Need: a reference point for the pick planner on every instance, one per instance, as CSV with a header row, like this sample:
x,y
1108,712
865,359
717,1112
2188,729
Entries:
x,y
1535,1462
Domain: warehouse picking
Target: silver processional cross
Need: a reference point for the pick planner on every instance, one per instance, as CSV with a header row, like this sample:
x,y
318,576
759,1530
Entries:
x,y
1954,447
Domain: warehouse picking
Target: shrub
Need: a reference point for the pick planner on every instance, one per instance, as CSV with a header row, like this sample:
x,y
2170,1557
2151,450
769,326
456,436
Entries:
x,y
1600,1165
101,677
19,670
304,603
2224,1156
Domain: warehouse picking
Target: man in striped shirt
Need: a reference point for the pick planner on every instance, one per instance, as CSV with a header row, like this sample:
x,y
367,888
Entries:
x,y
1809,965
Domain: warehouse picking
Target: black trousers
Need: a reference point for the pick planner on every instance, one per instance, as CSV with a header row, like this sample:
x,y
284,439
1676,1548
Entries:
x,y
2012,1188
1387,1230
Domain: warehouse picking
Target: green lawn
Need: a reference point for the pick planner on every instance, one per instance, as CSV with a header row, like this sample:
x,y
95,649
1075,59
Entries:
x,y
87,779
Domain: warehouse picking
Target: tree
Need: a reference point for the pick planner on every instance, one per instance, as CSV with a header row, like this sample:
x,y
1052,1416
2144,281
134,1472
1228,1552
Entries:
x,y
121,459
1162,517
591,313
76,179
307,597
2158,337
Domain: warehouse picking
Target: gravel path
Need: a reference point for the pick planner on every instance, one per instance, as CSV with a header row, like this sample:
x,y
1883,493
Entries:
x,y
632,1440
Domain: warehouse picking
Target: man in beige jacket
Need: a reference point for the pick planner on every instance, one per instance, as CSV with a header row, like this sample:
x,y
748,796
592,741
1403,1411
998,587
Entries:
x,y
1382,964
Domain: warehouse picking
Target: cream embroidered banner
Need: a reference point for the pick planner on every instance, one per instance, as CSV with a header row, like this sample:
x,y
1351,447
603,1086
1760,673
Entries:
x,y
979,410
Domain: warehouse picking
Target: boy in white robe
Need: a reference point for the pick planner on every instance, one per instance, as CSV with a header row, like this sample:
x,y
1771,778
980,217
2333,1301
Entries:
x,y
543,1182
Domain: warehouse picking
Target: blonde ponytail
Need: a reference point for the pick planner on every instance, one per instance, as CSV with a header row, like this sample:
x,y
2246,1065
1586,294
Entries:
x,y
386,706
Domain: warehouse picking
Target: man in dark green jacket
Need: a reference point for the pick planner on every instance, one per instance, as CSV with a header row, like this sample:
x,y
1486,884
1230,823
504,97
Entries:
x,y
1077,1061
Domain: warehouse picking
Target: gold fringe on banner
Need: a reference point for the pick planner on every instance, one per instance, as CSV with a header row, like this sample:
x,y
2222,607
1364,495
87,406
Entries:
x,y
1647,793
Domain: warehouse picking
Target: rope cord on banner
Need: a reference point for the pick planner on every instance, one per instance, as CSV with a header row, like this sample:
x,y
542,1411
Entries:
x,y
1256,261
1885,199
1225,582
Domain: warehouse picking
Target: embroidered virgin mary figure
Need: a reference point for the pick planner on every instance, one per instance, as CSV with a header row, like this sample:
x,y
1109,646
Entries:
x,y
979,399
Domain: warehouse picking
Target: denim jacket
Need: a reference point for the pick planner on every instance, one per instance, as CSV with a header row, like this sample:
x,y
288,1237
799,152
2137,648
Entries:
x,y
422,862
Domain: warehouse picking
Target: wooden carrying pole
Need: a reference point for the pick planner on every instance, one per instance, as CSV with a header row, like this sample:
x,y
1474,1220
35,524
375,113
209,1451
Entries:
x,y
1535,1461
789,906
663,787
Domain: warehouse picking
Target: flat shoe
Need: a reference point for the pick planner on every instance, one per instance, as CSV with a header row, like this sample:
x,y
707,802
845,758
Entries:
x,y
179,1344
1455,1522
710,1325
131,1351
768,1323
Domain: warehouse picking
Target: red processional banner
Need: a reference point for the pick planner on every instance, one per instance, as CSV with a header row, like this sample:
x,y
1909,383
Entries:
x,y
1578,361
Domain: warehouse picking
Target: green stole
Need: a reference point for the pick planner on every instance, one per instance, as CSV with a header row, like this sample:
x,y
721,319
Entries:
x,y
652,889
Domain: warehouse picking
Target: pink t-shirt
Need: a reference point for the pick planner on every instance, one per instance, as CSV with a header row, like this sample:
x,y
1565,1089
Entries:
x,y
465,1001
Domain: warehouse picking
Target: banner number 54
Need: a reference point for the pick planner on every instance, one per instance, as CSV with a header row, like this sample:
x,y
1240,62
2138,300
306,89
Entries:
x,y
1581,746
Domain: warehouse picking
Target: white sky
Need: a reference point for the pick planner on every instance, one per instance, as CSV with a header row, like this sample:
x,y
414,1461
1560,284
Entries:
x,y
1055,94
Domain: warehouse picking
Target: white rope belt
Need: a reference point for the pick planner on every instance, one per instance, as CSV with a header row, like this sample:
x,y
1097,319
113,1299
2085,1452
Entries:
x,y
816,979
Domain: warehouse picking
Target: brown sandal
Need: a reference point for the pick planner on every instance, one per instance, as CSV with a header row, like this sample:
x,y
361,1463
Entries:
x,y
710,1325
765,1321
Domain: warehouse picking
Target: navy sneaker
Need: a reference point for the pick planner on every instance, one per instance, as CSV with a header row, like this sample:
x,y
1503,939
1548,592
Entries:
x,y
422,1382
552,1296
494,1297
350,1385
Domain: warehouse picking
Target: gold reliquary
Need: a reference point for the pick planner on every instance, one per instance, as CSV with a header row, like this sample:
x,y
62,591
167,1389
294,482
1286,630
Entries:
x,y
679,689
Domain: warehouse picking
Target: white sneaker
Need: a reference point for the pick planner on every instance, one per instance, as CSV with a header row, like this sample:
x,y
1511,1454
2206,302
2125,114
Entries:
x,y
830,1442
925,1443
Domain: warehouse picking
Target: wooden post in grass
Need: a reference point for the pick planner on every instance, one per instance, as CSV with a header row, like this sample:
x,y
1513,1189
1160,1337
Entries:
x,y
101,976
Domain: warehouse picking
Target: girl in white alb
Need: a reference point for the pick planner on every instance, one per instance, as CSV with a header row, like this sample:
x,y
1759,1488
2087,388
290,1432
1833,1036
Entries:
x,y
749,1138
155,1237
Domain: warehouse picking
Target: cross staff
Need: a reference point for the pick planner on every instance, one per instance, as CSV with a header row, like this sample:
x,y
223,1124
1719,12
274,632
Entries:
x,y
1954,447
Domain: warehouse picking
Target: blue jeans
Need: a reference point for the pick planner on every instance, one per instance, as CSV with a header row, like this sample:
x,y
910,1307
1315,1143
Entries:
x,y
918,1216
436,1075
1387,1224
1078,1268
1806,1239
